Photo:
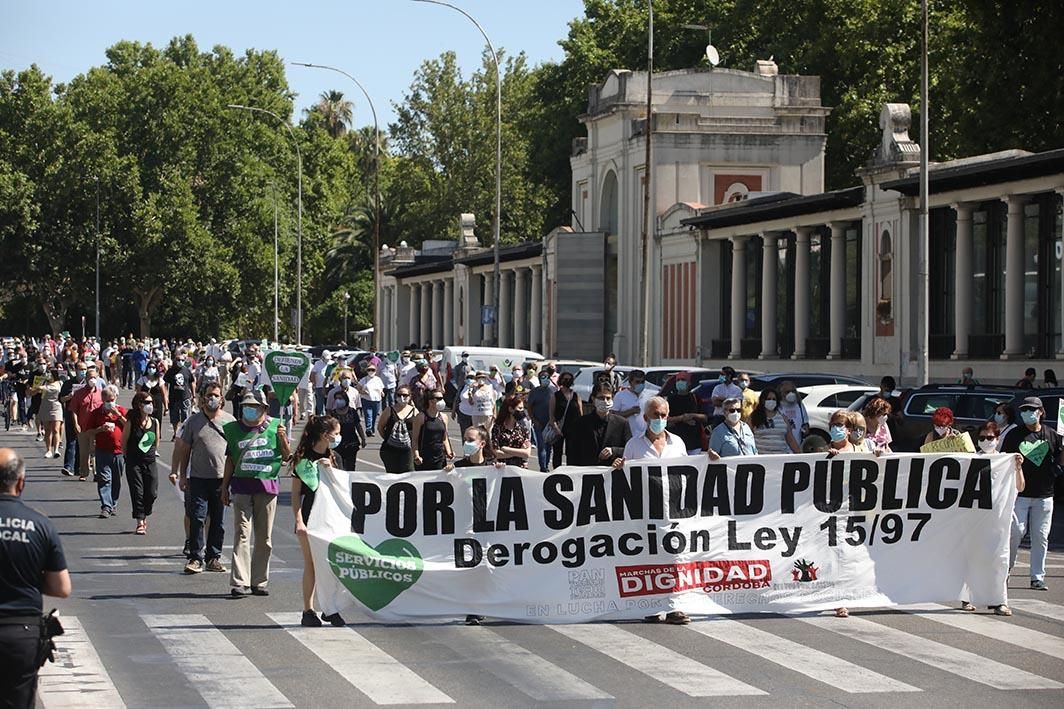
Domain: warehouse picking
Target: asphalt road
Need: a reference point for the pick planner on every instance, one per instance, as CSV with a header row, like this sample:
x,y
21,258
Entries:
x,y
142,634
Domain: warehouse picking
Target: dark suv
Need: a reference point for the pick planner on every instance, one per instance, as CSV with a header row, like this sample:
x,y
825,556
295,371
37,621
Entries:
x,y
971,406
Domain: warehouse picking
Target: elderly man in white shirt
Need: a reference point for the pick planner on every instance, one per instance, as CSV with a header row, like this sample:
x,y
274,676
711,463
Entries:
x,y
656,442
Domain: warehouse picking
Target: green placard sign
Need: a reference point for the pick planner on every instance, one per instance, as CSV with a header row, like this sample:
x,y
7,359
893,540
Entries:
x,y
286,370
146,441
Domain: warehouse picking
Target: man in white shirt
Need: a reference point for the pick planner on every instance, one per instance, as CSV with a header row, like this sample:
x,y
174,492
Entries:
x,y
629,402
317,381
407,368
656,442
389,374
726,389
371,389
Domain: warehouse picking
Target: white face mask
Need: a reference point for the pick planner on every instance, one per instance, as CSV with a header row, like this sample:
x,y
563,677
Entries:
x,y
988,446
770,405
732,417
941,430
791,397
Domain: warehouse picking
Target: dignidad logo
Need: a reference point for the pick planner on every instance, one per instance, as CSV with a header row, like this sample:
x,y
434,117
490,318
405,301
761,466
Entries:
x,y
709,576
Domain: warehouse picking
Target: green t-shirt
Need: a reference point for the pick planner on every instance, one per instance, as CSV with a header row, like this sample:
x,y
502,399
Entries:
x,y
255,453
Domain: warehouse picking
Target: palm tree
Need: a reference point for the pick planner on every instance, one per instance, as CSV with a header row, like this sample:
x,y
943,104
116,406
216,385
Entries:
x,y
351,251
335,111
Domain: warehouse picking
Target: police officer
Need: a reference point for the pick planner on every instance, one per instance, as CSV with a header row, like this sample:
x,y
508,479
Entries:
x,y
33,563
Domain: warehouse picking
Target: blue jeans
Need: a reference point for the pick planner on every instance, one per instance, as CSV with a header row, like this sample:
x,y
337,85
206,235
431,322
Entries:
x,y
389,397
371,409
1034,514
203,503
319,402
110,469
543,451
70,447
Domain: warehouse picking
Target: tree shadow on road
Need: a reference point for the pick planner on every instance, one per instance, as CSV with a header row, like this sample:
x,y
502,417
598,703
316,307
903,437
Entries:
x,y
184,595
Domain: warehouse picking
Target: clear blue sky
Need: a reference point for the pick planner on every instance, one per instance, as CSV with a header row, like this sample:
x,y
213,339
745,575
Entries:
x,y
380,42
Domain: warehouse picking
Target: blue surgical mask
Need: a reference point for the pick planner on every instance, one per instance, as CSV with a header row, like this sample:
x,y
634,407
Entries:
x,y
638,388
682,385
470,447
1000,419
1029,417
250,413
334,442
658,425
838,433
109,405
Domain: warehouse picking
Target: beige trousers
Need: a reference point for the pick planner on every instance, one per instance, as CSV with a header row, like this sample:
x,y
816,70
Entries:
x,y
252,513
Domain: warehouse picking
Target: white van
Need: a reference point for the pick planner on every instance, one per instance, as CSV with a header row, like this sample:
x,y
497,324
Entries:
x,y
481,359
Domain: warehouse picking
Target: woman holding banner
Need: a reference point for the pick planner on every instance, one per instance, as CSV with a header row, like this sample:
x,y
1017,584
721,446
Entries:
x,y
840,429
942,420
320,438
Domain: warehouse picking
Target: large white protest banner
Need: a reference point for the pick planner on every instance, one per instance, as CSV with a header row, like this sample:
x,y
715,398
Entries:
x,y
778,534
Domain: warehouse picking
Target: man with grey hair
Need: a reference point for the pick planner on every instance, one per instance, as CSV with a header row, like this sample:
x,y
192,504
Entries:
x,y
105,425
33,564
732,436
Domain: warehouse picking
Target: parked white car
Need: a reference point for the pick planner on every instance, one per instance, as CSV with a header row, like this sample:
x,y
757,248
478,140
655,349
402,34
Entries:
x,y
824,400
585,379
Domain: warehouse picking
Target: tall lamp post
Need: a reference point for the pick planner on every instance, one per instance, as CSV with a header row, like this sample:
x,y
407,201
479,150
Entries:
x,y
276,258
376,197
98,260
498,158
347,297
644,329
922,369
299,227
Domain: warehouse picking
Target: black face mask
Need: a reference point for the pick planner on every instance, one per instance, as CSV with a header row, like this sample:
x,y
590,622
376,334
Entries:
x,y
520,415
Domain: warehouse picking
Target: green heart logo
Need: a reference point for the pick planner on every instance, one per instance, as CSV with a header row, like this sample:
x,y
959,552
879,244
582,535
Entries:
x,y
286,370
1034,452
375,575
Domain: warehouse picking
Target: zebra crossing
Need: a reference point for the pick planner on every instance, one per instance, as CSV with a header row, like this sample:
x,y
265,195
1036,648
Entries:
x,y
701,661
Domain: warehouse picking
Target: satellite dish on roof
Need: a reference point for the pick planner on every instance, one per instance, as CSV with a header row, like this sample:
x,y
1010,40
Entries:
x,y
712,56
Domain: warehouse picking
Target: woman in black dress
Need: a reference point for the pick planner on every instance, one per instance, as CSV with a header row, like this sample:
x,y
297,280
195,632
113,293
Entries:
x,y
394,426
320,438
432,449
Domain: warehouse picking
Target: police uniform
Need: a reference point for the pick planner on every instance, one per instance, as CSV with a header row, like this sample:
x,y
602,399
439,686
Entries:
x,y
29,546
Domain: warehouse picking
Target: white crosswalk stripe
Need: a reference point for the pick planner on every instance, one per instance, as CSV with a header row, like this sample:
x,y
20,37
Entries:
x,y
800,658
369,669
987,626
223,676
536,677
78,677
1035,606
656,661
944,657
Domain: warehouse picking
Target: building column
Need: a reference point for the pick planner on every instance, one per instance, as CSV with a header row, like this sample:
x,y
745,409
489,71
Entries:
x,y
380,334
801,290
412,332
837,306
436,314
536,319
448,312
520,309
962,282
425,332
1014,278
769,295
505,309
738,295
489,299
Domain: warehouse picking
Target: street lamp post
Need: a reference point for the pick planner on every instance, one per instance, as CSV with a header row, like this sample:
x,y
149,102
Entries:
x,y
347,297
97,258
376,197
299,222
276,258
922,369
498,158
644,329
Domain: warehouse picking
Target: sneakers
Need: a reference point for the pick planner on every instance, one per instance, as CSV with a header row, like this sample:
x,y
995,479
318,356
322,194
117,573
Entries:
x,y
473,619
142,527
40,437
1038,585
239,591
216,566
105,513
677,618
334,620
194,566
259,591
67,472
967,606
310,619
